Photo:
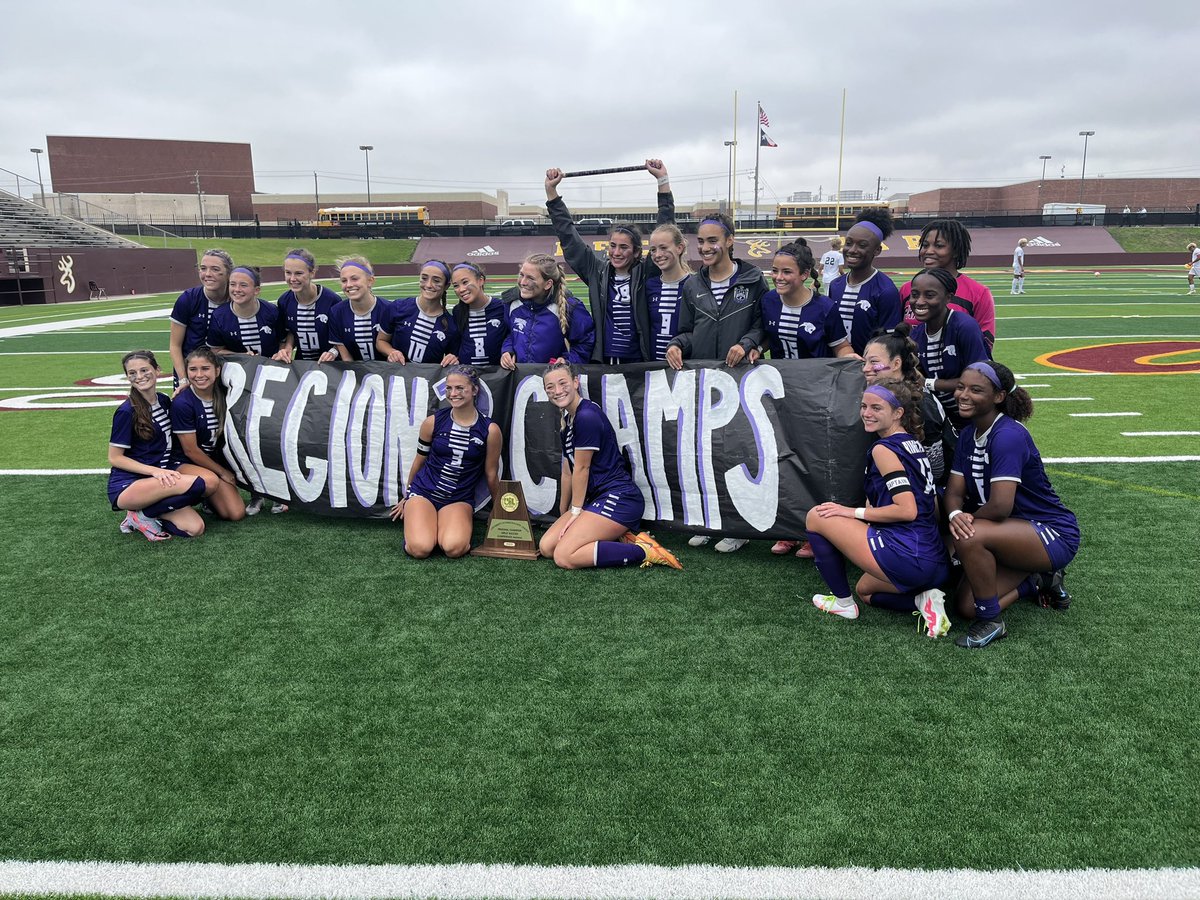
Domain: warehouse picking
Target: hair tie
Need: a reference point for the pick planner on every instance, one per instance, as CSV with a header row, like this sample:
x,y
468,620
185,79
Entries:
x,y
988,372
439,264
724,227
308,265
465,265
253,275
356,265
880,391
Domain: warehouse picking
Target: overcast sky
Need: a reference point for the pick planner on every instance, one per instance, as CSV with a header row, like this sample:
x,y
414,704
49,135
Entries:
x,y
486,95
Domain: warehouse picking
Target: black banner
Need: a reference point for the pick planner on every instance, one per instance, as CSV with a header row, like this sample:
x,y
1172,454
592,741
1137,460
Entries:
x,y
741,452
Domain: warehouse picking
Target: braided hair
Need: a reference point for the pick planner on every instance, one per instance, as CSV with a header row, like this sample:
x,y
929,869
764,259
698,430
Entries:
x,y
954,234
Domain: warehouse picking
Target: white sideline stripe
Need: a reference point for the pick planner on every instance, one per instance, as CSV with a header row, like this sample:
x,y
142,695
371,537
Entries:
x,y
1102,415
1160,433
1024,318
260,880
1071,460
76,352
1053,399
54,471
65,324
1024,385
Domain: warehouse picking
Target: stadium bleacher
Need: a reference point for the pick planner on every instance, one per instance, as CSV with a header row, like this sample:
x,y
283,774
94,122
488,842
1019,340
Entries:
x,y
25,224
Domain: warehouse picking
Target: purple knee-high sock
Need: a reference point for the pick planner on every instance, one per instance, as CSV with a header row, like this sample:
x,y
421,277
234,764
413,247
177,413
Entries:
x,y
171,528
830,563
906,602
616,553
1029,587
190,497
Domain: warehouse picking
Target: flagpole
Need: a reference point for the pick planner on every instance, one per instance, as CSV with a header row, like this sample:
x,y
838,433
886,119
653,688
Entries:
x,y
733,166
757,150
837,209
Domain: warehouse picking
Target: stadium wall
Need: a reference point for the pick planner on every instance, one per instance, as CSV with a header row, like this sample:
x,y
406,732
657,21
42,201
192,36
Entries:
x,y
104,165
1115,193
442,206
62,274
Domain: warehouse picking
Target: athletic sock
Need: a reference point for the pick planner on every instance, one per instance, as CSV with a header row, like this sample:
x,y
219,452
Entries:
x,y
905,602
190,497
171,528
830,563
987,607
617,553
1029,587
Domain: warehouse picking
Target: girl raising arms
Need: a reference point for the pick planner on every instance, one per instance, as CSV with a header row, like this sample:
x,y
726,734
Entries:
x,y
599,503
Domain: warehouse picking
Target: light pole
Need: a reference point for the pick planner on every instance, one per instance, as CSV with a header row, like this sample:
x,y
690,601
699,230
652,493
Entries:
x,y
1083,171
730,145
366,149
37,154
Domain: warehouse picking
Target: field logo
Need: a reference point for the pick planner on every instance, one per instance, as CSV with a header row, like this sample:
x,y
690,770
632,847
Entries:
x,y
485,250
1129,358
1040,241
66,265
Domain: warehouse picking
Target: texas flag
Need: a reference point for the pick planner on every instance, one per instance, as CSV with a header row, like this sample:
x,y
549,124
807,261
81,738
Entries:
x,y
764,140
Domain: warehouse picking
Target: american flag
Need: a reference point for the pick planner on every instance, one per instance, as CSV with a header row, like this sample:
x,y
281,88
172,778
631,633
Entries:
x,y
762,118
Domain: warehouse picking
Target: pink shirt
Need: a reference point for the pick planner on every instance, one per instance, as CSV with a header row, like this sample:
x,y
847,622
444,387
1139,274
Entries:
x,y
972,298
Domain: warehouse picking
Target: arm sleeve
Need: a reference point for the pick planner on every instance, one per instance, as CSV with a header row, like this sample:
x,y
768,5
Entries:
x,y
588,432
216,333
887,305
835,328
1008,453
122,427
666,207
183,417
687,321
971,345
180,312
754,337
985,315
581,257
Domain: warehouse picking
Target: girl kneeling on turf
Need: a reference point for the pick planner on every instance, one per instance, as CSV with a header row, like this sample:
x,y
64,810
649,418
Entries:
x,y
156,492
1011,533
600,506
457,445
197,421
894,539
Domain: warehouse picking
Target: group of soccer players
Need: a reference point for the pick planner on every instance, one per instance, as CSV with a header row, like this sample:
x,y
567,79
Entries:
x,y
957,498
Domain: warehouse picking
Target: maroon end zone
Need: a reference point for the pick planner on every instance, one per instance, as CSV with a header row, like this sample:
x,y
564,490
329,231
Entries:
x,y
1128,358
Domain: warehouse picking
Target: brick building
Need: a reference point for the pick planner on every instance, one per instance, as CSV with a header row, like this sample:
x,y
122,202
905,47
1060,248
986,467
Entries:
x,y
1156,194
102,165
448,206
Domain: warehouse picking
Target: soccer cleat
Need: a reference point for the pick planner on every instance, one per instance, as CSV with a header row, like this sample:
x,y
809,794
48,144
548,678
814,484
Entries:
x,y
782,548
931,607
656,553
254,507
729,545
1051,593
805,551
278,508
698,540
829,603
127,527
629,538
151,529
983,632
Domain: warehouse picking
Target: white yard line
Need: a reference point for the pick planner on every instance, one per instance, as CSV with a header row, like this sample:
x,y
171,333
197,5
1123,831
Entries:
x,y
1160,434
1111,415
513,882
66,324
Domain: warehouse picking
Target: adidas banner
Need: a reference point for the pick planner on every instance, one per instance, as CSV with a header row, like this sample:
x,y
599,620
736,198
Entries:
x,y
739,452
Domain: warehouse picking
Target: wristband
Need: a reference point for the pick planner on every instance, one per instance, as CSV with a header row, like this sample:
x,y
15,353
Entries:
x,y
861,514
952,514
576,510
663,180
929,384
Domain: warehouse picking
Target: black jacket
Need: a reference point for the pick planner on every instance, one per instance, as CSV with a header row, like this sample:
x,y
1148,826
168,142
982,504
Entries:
x,y
593,267
707,330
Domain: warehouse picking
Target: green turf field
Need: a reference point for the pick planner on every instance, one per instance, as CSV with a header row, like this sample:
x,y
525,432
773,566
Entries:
x,y
293,689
